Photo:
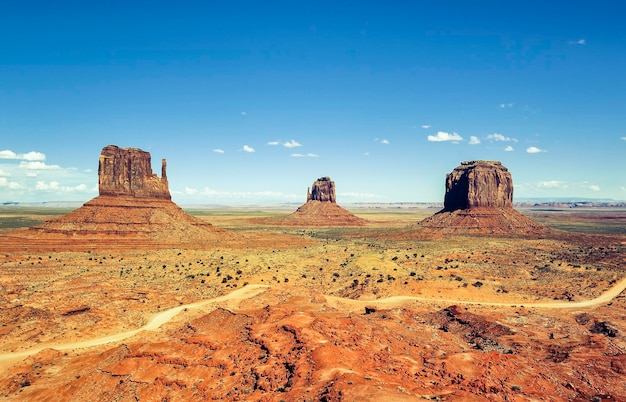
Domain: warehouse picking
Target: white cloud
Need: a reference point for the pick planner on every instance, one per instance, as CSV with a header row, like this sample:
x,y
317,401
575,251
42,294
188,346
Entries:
x,y
218,151
384,141
624,138
11,185
551,184
273,143
4,174
37,165
505,105
534,150
443,136
292,144
509,148
474,140
309,155
58,188
7,154
190,191
32,174
29,156
247,148
426,126
360,196
42,185
237,195
590,186
500,137
34,156
577,42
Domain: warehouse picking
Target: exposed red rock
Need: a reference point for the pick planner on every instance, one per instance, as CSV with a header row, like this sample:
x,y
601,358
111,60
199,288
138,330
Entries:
x,y
476,184
128,172
320,209
291,345
322,190
479,200
133,210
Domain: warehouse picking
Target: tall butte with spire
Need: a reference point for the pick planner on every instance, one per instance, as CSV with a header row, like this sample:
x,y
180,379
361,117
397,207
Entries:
x,y
479,200
133,210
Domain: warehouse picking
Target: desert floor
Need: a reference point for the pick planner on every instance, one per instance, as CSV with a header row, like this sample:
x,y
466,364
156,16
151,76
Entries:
x,y
321,313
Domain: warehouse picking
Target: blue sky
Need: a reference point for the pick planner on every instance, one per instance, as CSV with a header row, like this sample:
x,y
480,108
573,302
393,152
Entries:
x,y
250,102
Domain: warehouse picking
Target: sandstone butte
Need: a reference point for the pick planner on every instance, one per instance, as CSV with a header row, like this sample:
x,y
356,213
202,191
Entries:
x,y
479,200
133,210
320,209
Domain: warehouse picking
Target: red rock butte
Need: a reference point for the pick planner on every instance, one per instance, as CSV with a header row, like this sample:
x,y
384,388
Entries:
x,y
320,209
479,200
133,211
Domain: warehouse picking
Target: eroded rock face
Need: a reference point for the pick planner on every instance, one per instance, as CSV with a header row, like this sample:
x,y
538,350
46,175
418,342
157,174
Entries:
x,y
323,190
478,184
128,172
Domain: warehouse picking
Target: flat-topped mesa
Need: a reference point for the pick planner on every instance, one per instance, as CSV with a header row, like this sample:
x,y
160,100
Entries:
x,y
323,190
476,184
128,172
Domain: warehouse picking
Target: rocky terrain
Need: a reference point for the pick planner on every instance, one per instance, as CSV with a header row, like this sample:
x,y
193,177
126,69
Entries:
x,y
130,298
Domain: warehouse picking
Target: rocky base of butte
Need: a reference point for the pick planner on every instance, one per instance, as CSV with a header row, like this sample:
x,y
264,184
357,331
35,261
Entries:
x,y
320,209
479,200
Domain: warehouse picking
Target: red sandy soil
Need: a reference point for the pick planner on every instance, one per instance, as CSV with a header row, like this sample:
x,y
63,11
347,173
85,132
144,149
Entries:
x,y
322,330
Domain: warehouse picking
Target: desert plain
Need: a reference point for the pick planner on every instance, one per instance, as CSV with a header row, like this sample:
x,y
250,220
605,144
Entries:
x,y
268,312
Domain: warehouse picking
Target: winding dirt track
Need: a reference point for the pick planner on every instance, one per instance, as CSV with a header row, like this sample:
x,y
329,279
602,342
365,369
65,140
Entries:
x,y
250,291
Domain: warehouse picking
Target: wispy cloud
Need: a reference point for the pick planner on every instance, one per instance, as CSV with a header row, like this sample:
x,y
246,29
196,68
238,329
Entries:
x,y
551,184
292,144
309,155
443,136
11,185
29,156
273,143
4,174
384,141
499,137
218,151
360,196
244,113
509,148
624,138
506,105
58,188
426,126
37,165
247,148
474,140
240,195
534,150
579,42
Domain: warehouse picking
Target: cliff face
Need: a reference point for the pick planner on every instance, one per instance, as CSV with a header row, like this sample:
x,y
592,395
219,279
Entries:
x,y
128,172
478,184
323,190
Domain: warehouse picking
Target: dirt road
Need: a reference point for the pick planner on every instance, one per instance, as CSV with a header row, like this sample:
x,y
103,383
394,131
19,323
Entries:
x,y
250,291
